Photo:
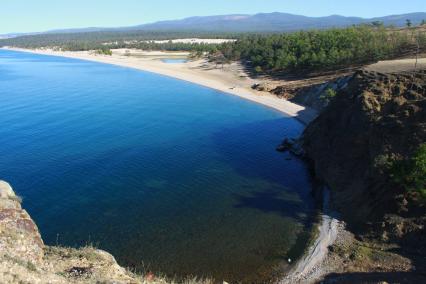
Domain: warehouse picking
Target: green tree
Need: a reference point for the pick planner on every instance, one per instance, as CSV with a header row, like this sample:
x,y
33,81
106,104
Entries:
x,y
328,95
104,51
317,50
258,69
408,23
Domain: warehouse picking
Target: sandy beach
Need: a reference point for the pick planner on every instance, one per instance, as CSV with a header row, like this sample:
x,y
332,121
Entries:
x,y
229,78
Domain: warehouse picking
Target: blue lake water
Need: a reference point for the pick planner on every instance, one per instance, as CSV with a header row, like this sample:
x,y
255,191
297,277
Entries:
x,y
174,60
166,175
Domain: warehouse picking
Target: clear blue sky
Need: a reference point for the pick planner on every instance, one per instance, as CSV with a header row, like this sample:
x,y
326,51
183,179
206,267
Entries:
x,y
41,15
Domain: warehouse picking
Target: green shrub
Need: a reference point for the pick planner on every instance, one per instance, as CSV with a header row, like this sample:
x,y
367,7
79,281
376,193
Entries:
x,y
328,95
258,69
104,51
411,173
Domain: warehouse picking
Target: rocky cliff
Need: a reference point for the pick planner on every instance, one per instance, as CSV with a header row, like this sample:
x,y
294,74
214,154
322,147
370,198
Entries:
x,y
25,259
376,121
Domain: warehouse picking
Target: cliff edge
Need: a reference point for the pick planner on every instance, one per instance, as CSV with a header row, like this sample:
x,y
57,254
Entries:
x,y
368,146
375,122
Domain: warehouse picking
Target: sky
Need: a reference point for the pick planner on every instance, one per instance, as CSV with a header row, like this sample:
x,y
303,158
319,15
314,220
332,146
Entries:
x,y
42,15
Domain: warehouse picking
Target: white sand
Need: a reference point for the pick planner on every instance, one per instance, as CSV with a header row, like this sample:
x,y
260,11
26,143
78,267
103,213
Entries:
x,y
197,40
229,79
183,40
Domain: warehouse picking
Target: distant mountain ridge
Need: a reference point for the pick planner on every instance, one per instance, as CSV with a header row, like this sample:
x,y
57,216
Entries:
x,y
274,22
262,22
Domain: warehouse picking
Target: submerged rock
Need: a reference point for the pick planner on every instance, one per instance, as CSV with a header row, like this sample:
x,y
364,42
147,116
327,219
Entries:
x,y
292,145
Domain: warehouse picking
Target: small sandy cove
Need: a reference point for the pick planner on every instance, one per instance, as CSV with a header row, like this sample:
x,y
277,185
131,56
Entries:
x,y
229,78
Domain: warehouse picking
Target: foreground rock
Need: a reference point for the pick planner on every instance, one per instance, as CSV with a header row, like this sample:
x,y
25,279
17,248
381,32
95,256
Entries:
x,y
25,259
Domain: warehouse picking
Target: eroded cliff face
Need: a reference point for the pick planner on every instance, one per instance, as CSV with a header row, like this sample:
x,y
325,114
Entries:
x,y
376,120
312,94
25,259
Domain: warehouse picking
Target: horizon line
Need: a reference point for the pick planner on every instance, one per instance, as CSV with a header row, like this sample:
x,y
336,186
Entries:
x,y
189,17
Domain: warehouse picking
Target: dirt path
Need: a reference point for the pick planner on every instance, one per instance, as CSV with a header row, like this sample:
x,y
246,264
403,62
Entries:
x,y
309,269
400,65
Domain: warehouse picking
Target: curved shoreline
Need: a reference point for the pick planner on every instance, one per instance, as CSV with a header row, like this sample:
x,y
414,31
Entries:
x,y
305,269
192,72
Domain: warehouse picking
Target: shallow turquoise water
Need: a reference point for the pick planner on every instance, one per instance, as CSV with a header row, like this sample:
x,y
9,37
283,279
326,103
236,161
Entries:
x,y
166,175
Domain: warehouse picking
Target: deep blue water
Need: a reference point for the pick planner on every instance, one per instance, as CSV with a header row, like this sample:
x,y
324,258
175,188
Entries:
x,y
166,175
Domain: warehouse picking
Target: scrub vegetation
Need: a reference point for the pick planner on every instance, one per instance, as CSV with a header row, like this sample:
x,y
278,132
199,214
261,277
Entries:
x,y
411,173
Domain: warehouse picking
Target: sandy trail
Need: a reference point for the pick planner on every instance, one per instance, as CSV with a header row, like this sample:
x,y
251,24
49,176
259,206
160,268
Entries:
x,y
230,79
400,65
308,269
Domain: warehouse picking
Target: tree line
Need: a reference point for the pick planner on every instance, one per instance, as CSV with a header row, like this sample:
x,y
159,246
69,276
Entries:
x,y
115,39
321,49
313,50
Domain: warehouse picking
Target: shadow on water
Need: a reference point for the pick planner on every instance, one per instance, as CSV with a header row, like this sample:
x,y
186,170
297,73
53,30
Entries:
x,y
288,192
281,168
272,202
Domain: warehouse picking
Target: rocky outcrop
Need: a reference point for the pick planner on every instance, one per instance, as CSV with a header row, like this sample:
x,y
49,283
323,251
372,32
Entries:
x,y
374,121
313,95
25,259
292,145
263,87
